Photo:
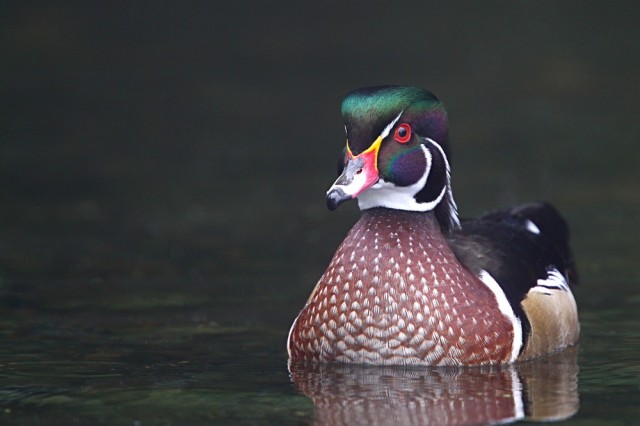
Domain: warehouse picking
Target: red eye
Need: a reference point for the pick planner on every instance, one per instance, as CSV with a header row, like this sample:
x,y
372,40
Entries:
x,y
403,133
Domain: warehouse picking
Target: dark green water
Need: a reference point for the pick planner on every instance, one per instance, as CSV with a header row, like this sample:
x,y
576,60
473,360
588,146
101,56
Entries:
x,y
162,218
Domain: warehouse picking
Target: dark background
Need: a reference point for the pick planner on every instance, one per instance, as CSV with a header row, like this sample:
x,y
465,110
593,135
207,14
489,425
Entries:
x,y
137,130
163,167
165,140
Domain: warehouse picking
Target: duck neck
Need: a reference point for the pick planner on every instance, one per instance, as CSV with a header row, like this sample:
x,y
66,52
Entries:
x,y
398,232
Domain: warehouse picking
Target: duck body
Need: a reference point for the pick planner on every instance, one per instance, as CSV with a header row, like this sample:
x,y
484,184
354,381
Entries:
x,y
411,284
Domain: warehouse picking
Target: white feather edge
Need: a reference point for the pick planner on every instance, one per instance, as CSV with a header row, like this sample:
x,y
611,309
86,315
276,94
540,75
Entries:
x,y
386,194
516,391
507,311
532,227
289,335
555,281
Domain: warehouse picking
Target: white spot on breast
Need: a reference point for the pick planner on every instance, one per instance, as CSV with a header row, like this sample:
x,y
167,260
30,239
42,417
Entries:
x,y
407,314
416,339
362,339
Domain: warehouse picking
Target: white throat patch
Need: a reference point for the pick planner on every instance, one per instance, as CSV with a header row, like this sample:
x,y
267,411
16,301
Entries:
x,y
387,194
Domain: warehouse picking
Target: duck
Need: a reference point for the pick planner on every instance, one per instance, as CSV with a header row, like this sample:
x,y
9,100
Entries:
x,y
412,283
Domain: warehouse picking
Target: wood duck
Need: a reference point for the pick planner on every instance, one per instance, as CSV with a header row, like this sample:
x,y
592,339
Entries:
x,y
411,283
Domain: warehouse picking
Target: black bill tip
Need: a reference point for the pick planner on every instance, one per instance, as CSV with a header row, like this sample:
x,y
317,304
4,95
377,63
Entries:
x,y
335,197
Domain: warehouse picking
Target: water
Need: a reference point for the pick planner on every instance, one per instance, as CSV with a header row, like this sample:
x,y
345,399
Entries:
x,y
162,171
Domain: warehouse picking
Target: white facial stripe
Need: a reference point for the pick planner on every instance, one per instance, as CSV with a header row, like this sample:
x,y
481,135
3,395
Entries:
x,y
432,204
387,194
387,129
454,207
507,311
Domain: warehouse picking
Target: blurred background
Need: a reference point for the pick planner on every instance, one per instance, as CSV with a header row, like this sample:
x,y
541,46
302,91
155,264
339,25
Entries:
x,y
163,164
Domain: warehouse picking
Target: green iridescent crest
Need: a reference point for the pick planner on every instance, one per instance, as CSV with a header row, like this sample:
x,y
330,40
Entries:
x,y
366,112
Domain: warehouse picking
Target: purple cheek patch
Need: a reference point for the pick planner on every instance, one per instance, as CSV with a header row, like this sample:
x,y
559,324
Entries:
x,y
407,167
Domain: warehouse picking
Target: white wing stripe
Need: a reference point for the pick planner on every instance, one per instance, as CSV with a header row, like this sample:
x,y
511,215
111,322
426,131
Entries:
x,y
554,281
507,311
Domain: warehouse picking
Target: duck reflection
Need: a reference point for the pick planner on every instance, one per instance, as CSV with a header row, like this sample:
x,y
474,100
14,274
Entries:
x,y
543,390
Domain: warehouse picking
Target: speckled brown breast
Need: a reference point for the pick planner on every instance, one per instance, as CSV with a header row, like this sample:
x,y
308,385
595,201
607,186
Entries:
x,y
394,293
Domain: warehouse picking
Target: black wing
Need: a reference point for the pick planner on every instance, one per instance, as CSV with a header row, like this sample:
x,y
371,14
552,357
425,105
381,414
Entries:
x,y
517,247
543,220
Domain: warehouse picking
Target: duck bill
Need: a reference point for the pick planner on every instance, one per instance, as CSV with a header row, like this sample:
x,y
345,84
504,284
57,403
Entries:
x,y
359,174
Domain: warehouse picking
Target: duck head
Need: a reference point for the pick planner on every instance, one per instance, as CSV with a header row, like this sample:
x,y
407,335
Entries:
x,y
396,155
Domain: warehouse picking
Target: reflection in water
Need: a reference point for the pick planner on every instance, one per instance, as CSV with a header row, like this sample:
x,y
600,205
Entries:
x,y
543,390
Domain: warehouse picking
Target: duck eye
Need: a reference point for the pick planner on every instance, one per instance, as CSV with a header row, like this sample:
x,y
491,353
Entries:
x,y
403,133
